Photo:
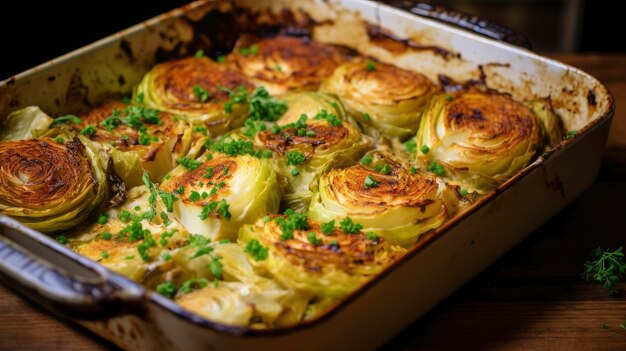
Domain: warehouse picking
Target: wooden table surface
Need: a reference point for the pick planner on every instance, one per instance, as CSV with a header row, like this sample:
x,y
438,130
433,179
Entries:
x,y
532,298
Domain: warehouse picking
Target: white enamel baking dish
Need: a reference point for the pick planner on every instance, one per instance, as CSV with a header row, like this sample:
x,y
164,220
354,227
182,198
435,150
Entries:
x,y
443,260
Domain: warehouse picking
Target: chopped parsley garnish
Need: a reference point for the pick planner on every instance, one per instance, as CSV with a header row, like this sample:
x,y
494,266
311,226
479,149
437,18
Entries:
x,y
350,227
266,219
294,172
167,289
193,284
313,239
328,227
371,236
103,218
165,237
148,242
145,138
267,153
104,254
463,192
195,196
153,193
383,168
236,96
221,59
139,98
292,221
226,171
132,232
252,50
370,182
278,68
570,134
112,121
220,206
199,53
61,239
198,240
424,149
215,188
164,217
367,117
124,216
209,173
366,160
135,117
88,130
370,66
295,158
233,147
606,267
410,146
258,251
200,93
65,119
310,133
413,170
437,169
333,243
252,127
204,250
215,266
106,236
129,257
180,190
189,163
166,256
329,117
200,129
448,98
263,107
59,139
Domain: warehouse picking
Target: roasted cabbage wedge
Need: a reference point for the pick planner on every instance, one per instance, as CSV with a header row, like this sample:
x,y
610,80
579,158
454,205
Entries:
x,y
142,140
313,134
259,299
315,258
54,184
199,89
551,124
217,196
132,239
386,196
284,63
477,139
387,100
25,123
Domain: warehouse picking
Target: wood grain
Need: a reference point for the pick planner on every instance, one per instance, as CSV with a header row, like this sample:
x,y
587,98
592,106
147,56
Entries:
x,y
531,299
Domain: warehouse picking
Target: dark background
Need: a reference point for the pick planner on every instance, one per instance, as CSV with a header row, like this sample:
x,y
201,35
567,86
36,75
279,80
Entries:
x,y
32,33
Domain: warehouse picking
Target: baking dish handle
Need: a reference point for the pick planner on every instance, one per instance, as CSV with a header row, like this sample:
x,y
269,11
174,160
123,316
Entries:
x,y
59,279
469,22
